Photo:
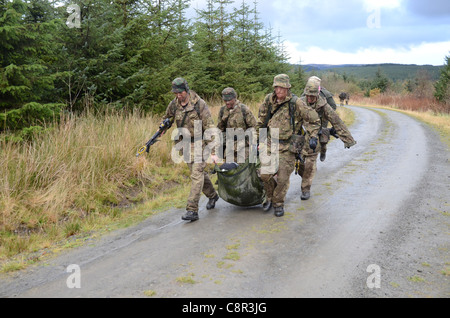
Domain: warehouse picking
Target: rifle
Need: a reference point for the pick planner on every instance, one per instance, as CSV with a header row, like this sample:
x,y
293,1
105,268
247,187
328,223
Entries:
x,y
166,124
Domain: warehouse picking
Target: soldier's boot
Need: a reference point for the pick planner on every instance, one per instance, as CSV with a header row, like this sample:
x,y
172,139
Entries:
x,y
267,205
279,211
323,155
212,202
305,195
190,216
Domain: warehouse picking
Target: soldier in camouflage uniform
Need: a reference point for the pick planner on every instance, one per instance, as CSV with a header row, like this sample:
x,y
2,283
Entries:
x,y
235,115
278,111
184,109
326,113
324,135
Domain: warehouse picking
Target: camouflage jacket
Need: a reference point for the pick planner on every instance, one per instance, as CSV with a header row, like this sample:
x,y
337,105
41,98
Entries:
x,y
184,117
327,114
238,117
277,115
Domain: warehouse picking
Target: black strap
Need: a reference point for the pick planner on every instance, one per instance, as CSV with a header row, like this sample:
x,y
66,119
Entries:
x,y
184,119
196,107
292,103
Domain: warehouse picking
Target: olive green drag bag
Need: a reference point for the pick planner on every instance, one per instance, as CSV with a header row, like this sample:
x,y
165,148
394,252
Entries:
x,y
240,186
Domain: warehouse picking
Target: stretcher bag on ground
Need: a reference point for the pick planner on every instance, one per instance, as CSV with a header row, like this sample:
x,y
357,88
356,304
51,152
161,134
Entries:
x,y
239,184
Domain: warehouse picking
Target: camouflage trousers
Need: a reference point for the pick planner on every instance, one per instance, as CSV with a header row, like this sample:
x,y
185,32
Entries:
x,y
200,182
277,185
308,170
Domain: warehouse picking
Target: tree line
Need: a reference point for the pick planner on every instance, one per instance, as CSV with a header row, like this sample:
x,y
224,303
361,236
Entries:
x,y
418,81
68,55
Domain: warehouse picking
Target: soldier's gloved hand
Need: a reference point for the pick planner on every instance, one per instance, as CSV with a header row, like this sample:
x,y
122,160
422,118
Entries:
x,y
313,143
333,132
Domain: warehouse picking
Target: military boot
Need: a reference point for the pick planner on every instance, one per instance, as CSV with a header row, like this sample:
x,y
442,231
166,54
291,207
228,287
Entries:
x,y
305,195
266,206
212,202
279,211
190,216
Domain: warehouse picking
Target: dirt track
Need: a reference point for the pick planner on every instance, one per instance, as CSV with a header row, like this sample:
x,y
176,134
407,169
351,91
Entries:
x,y
384,203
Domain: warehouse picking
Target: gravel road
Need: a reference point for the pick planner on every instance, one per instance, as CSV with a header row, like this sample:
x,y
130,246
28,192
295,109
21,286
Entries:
x,y
376,225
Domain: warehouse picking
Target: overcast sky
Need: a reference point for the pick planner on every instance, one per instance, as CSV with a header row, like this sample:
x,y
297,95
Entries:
x,y
358,31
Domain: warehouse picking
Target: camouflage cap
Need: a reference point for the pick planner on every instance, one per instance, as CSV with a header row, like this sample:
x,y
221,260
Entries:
x,y
312,86
228,94
179,85
281,80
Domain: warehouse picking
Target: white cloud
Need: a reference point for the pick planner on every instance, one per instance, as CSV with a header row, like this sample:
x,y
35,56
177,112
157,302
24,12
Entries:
x,y
388,4
425,53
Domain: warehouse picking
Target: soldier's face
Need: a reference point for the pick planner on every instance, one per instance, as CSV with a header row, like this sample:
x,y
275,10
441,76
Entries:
x,y
281,92
181,96
311,98
230,103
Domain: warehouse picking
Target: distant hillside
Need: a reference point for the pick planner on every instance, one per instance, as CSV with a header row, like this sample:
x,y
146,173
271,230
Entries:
x,y
367,71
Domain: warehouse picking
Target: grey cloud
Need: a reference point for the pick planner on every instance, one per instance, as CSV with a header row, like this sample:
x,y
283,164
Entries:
x,y
429,8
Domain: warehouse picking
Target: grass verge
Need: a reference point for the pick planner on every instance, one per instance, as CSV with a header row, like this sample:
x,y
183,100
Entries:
x,y
438,121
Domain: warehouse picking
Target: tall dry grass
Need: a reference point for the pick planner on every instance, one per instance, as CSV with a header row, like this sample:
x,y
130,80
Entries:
x,y
81,170
427,110
404,102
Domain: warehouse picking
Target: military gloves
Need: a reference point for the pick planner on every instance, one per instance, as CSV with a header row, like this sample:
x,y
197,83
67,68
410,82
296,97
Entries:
x,y
313,143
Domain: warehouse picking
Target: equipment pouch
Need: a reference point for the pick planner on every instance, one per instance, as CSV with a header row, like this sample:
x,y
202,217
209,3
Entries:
x,y
296,143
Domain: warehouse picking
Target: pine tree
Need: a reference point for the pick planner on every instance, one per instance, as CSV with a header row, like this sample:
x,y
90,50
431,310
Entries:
x,y
380,81
442,86
27,48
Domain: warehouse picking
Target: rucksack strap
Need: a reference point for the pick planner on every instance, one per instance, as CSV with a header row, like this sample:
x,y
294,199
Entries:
x,y
291,104
244,115
197,108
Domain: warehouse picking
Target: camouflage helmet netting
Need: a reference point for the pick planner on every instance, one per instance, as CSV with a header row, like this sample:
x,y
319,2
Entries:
x,y
313,86
281,80
228,94
179,85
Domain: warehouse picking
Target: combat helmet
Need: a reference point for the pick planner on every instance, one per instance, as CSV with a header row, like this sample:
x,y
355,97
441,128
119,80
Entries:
x,y
179,85
228,94
281,80
313,86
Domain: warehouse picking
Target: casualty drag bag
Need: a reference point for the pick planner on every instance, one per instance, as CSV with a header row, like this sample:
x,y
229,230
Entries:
x,y
240,184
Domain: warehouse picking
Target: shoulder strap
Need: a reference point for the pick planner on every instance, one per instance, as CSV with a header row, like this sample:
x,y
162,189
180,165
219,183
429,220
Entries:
x,y
197,108
222,110
244,115
292,103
